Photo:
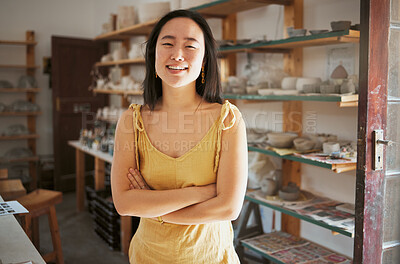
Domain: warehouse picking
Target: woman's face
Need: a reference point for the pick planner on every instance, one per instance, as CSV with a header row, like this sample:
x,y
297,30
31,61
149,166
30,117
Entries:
x,y
179,52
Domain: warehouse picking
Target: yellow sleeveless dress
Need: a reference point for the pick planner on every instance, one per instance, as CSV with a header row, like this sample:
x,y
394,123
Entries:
x,y
154,243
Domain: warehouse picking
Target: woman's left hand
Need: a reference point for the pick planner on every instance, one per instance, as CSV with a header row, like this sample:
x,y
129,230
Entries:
x,y
136,180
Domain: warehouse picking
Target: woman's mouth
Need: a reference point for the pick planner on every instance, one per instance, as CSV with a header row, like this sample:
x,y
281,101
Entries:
x,y
176,69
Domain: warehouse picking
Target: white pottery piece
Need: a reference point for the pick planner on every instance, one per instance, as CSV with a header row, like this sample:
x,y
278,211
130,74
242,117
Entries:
x,y
330,147
311,88
107,57
265,91
120,54
268,186
347,87
125,17
281,140
303,144
329,89
284,92
289,83
252,89
306,80
298,32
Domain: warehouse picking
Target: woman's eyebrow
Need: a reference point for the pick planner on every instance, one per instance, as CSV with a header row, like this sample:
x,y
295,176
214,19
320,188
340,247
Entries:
x,y
172,37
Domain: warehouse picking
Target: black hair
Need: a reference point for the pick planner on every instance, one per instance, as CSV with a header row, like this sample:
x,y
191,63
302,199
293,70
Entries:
x,y
210,91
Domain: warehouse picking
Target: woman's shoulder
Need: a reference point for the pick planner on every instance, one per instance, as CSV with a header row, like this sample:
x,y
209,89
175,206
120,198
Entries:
x,y
231,115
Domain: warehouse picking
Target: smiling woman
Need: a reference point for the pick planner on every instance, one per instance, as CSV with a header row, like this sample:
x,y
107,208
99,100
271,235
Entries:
x,y
185,176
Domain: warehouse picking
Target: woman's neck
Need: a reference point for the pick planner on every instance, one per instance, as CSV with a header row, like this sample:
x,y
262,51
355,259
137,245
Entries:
x,y
179,99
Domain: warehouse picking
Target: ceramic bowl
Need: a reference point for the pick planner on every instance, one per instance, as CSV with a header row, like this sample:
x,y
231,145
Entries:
x,y
281,140
329,89
296,32
252,89
238,90
340,25
318,31
290,192
311,88
306,80
303,144
265,91
330,147
289,83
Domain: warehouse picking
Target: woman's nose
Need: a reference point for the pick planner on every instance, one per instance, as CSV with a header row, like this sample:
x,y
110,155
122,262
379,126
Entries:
x,y
177,55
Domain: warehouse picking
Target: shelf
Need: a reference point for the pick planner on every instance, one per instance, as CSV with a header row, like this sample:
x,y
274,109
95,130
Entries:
x,y
28,159
281,247
250,196
338,168
119,92
128,32
18,137
342,100
20,113
19,90
284,45
16,42
120,62
223,8
19,66
219,8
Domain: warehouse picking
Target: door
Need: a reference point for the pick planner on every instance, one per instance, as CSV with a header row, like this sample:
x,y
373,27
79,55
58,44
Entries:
x,y
74,106
377,236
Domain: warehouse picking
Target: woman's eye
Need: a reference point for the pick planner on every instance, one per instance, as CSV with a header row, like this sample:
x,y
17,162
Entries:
x,y
191,47
167,44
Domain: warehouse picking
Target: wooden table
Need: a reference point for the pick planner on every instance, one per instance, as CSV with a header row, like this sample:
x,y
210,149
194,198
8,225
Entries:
x,y
15,246
99,167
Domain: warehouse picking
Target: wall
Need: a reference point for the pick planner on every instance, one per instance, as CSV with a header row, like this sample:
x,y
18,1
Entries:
x,y
84,19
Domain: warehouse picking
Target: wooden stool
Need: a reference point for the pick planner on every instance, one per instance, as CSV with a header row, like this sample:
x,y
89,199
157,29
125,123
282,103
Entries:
x,y
40,202
3,174
11,189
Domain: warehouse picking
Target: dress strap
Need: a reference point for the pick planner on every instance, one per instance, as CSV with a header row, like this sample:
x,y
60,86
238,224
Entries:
x,y
227,108
137,127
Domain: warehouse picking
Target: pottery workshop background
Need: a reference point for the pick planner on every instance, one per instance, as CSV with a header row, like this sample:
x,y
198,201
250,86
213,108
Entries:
x,y
84,19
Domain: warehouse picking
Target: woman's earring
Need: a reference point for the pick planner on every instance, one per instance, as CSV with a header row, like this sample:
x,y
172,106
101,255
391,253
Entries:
x,y
156,75
202,75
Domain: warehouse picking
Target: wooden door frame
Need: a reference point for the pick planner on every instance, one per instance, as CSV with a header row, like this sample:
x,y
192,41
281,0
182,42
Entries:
x,y
375,19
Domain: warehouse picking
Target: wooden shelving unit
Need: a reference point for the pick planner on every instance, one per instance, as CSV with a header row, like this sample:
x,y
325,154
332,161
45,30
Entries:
x,y
118,92
336,230
341,100
223,8
19,90
286,248
338,168
19,137
30,69
120,62
18,42
20,113
284,45
28,159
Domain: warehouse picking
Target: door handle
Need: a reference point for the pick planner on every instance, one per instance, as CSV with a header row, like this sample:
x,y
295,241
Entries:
x,y
377,148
